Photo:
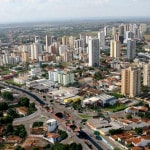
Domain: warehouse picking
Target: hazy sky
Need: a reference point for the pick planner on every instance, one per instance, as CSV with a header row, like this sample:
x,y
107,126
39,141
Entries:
x,y
37,10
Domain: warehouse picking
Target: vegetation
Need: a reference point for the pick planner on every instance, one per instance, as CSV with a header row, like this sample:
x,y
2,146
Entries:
x,y
13,83
24,101
77,105
83,116
72,146
19,148
138,131
145,89
117,95
62,134
6,119
7,96
20,131
3,106
98,75
12,112
144,114
116,107
129,116
37,124
115,131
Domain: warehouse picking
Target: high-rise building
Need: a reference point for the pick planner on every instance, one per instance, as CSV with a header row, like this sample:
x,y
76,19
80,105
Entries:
x,y
48,41
113,32
146,75
101,37
25,56
143,28
121,30
71,41
115,48
131,49
68,56
105,30
131,81
65,40
128,36
94,52
36,49
126,27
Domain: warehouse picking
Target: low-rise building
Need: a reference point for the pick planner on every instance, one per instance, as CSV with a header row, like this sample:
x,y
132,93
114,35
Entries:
x,y
102,99
52,125
52,137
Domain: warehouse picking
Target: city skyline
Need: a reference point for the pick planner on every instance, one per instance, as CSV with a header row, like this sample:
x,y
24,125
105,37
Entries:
x,y
49,10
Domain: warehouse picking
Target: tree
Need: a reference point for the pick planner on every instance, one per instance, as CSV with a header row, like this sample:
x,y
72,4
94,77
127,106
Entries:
x,y
20,131
32,105
24,101
148,145
19,148
116,148
115,131
138,131
79,147
129,116
9,128
62,134
7,96
12,113
72,146
3,106
97,75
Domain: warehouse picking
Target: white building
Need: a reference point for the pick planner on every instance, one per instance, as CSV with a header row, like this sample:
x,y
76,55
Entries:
x,y
52,125
62,49
102,99
131,49
66,78
53,75
101,37
94,52
146,75
128,36
35,71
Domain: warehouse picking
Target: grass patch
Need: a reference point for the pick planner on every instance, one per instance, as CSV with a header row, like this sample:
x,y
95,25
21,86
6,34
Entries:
x,y
116,108
83,116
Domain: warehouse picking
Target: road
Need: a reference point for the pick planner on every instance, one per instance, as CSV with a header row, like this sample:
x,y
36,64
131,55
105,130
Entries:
x,y
100,145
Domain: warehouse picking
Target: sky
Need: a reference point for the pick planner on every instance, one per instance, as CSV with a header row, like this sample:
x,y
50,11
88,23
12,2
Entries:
x,y
49,10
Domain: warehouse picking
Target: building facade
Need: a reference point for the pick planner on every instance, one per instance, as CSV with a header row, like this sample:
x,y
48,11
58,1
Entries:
x,y
131,81
94,52
115,48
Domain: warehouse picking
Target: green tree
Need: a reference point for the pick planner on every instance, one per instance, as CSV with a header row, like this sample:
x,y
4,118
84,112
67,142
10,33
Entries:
x,y
19,148
20,131
9,128
97,75
79,147
24,101
72,146
7,96
62,134
138,131
129,116
32,105
116,148
3,106
115,131
12,113
148,145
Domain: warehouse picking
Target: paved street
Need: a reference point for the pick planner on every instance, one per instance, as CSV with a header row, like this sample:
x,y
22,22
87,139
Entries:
x,y
27,121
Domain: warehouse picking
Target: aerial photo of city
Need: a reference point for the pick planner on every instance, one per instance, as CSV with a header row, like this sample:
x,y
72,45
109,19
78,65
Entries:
x,y
75,75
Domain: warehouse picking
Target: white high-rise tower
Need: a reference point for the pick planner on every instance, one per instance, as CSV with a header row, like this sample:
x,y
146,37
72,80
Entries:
x,y
94,52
